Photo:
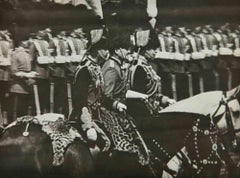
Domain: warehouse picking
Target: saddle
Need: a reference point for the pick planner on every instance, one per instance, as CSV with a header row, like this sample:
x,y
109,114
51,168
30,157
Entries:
x,y
61,133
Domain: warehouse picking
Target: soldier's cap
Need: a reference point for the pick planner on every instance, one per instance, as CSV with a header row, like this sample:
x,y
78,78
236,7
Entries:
x,y
4,36
207,26
25,44
79,32
62,33
182,29
168,29
40,33
47,30
6,32
1,34
188,30
237,30
197,29
72,34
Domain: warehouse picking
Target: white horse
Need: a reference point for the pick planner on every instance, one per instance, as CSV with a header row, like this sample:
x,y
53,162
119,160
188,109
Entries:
x,y
223,109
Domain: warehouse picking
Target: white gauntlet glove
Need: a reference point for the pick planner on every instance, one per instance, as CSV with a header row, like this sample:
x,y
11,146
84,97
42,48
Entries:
x,y
119,106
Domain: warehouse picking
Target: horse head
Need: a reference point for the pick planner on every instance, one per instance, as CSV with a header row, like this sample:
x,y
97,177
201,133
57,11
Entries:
x,y
227,116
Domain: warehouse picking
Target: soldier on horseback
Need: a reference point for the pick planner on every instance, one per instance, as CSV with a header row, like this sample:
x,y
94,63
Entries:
x,y
142,77
91,105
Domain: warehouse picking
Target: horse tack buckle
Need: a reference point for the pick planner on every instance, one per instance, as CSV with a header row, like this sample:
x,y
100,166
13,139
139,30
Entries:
x,y
26,133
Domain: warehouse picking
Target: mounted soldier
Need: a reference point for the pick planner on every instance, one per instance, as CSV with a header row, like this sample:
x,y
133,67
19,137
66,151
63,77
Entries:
x,y
143,79
90,104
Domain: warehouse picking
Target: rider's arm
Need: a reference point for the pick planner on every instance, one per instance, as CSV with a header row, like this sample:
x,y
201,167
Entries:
x,y
110,78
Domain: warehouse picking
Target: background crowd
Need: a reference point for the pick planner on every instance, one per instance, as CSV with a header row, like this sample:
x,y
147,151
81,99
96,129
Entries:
x,y
37,66
189,61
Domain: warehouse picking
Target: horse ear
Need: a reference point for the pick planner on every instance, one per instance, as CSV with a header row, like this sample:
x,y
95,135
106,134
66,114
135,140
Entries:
x,y
234,92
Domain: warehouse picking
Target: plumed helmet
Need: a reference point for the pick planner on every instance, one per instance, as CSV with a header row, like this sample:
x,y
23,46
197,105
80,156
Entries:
x,y
98,39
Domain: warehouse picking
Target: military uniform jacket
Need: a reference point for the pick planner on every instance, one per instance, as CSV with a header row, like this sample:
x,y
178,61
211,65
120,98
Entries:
x,y
88,89
143,79
115,79
6,47
41,69
21,62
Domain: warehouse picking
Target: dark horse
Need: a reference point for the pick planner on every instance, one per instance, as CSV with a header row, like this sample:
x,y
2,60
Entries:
x,y
27,151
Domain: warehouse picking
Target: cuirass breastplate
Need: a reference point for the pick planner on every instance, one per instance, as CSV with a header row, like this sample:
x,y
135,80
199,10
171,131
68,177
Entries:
x,y
153,84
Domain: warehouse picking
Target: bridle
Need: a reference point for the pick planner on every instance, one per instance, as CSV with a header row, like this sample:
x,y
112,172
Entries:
x,y
231,131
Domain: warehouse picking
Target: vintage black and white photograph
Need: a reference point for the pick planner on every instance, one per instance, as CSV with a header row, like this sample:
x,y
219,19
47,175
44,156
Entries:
x,y
119,89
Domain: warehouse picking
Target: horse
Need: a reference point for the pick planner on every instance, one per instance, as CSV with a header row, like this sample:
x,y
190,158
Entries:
x,y
192,127
27,151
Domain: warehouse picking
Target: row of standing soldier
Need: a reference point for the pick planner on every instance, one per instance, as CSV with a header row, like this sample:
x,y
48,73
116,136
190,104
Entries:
x,y
44,63
204,59
194,52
